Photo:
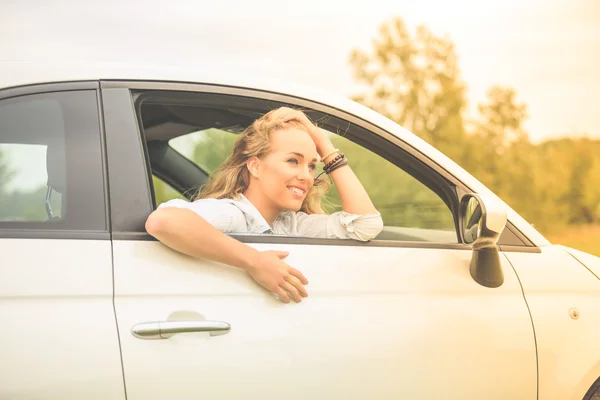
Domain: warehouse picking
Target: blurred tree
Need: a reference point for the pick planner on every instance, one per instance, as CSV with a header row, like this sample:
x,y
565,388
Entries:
x,y
6,174
570,169
502,157
414,80
213,146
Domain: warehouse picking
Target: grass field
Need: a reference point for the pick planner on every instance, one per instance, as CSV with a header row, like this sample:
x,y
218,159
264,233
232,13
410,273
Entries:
x,y
585,238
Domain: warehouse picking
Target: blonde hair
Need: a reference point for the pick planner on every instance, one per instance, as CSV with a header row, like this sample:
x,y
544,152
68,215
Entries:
x,y
232,178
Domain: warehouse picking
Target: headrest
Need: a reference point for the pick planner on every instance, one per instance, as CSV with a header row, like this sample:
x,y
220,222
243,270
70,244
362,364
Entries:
x,y
56,165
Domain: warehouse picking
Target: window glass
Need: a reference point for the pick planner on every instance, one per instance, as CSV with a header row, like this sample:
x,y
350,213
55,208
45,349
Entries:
x,y
207,148
410,210
163,191
23,188
50,162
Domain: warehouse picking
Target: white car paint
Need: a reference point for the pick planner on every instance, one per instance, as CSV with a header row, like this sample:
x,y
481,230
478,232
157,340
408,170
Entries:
x,y
568,348
589,261
378,323
59,337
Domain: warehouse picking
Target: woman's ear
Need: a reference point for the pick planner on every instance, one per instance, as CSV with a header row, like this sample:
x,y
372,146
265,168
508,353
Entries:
x,y
253,165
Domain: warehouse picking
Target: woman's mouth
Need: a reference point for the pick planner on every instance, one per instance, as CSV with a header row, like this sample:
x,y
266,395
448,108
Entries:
x,y
296,191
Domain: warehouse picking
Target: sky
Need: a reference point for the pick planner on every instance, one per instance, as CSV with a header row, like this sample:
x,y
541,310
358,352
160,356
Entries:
x,y
549,51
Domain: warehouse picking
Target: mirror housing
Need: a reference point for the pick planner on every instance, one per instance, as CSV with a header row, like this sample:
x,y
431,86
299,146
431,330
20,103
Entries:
x,y
482,221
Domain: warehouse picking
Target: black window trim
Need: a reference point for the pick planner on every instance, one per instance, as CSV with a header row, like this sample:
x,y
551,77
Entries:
x,y
174,86
55,87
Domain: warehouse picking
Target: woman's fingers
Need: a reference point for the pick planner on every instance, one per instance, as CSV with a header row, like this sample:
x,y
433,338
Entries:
x,y
291,114
283,296
282,254
293,292
299,275
298,285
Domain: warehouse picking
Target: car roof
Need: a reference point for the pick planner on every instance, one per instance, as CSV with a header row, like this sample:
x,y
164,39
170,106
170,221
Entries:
x,y
20,73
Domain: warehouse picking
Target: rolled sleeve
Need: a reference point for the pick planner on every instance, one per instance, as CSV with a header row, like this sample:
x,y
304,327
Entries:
x,y
340,225
223,215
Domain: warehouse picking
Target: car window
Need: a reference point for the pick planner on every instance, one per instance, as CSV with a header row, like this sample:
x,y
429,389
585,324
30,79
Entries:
x,y
411,211
23,188
163,191
193,146
50,162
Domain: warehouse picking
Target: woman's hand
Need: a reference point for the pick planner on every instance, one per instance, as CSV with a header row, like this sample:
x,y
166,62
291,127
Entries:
x,y
276,276
318,135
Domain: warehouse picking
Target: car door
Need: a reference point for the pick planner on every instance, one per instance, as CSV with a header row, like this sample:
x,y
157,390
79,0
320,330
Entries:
x,y
59,337
399,316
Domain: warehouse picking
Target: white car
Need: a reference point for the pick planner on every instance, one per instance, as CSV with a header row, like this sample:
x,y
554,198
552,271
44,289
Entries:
x,y
458,298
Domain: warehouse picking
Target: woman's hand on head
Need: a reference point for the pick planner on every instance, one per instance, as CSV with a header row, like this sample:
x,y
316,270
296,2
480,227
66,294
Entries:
x,y
317,134
273,274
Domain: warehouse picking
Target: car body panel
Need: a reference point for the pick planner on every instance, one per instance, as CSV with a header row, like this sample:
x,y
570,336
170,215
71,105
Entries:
x,y
590,261
414,317
555,284
59,338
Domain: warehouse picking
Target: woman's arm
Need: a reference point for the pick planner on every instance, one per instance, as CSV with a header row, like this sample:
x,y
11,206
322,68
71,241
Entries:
x,y
185,231
353,196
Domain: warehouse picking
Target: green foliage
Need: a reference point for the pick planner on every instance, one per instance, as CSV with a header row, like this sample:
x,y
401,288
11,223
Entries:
x,y
402,200
213,146
28,206
414,80
18,205
6,174
164,192
207,149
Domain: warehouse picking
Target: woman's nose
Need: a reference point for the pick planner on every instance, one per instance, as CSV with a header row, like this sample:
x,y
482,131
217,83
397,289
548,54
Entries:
x,y
306,174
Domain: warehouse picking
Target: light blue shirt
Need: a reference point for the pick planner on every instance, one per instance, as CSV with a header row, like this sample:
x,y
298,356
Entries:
x,y
240,216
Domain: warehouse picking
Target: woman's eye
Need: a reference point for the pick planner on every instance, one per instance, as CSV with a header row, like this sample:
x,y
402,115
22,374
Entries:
x,y
312,167
293,161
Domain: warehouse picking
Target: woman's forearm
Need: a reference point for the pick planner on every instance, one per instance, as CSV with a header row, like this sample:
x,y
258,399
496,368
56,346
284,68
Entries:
x,y
185,231
353,196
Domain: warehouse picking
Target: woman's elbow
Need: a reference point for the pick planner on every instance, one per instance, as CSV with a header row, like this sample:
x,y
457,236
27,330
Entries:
x,y
369,229
157,223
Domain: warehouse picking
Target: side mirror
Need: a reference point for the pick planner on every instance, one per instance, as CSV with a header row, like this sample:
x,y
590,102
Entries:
x,y
482,221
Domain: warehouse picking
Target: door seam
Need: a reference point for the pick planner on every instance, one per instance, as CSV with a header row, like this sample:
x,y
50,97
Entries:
x,y
109,223
537,361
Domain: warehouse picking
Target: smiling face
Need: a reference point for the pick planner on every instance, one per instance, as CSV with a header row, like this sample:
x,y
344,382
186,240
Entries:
x,y
284,177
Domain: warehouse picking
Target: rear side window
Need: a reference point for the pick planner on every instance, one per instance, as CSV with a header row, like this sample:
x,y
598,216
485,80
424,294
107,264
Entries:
x,y
50,162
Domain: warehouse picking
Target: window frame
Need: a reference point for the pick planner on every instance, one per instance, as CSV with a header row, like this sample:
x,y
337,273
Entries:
x,y
39,230
358,135
137,88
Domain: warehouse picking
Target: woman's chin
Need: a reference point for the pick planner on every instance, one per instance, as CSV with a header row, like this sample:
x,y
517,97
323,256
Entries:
x,y
294,205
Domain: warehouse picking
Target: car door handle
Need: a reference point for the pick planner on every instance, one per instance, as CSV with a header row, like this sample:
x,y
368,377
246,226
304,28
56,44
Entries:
x,y
166,329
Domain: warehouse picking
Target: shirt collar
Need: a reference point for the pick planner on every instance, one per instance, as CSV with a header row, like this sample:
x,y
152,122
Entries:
x,y
252,214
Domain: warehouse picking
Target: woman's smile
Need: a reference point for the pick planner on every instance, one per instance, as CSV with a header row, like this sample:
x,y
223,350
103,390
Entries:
x,y
297,190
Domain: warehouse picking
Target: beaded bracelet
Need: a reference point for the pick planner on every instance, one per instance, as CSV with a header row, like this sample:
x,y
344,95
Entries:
x,y
330,163
329,154
340,164
342,161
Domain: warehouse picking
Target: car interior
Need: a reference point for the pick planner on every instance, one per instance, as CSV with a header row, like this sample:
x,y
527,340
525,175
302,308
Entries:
x,y
163,117
18,129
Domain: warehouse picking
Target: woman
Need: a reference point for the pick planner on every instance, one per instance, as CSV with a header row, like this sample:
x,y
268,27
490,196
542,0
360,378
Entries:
x,y
267,185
